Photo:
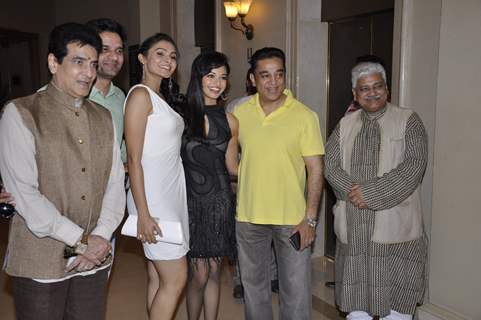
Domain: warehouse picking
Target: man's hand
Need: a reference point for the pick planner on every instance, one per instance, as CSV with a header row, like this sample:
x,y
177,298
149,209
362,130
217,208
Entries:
x,y
6,197
355,196
307,233
80,264
98,249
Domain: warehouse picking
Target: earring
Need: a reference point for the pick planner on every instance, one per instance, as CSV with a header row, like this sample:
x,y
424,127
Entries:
x,y
171,84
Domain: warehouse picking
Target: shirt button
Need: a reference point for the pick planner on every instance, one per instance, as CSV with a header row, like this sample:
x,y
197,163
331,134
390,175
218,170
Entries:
x,y
80,141
83,197
83,169
77,113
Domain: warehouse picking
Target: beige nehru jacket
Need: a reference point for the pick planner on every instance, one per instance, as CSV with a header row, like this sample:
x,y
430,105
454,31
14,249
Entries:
x,y
402,222
61,170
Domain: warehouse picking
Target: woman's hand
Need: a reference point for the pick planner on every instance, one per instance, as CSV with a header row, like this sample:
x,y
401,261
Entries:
x,y
147,229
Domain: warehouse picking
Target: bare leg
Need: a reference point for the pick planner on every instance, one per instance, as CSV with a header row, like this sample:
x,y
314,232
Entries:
x,y
172,275
203,289
152,284
198,277
212,291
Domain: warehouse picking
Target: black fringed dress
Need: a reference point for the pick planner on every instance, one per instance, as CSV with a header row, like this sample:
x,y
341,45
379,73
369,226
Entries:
x,y
210,200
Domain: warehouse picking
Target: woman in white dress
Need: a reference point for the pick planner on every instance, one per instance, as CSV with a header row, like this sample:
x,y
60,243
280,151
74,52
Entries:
x,y
153,131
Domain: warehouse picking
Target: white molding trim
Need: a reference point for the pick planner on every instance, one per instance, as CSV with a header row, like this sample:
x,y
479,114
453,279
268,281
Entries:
x,y
405,51
433,312
218,24
291,45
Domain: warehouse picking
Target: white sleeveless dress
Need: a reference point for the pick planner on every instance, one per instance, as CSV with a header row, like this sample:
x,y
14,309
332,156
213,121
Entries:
x,y
164,179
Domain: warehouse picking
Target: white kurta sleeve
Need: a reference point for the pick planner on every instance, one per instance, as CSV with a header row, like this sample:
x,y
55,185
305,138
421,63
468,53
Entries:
x,y
20,176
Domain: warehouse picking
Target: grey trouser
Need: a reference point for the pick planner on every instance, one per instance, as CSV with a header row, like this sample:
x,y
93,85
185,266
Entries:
x,y
294,272
78,298
237,279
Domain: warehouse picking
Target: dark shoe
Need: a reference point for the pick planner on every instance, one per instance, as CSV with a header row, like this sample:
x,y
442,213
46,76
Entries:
x,y
330,284
275,286
238,292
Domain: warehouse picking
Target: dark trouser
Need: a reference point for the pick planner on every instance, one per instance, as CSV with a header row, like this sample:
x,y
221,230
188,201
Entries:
x,y
294,272
78,298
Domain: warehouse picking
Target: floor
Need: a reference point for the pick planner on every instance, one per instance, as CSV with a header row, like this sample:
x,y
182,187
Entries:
x,y
126,297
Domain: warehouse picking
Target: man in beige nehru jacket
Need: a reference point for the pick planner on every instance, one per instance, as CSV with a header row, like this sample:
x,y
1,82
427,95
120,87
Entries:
x,y
60,160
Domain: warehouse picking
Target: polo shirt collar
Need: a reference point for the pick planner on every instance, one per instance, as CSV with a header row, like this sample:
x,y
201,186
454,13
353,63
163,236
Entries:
x,y
290,98
96,91
286,105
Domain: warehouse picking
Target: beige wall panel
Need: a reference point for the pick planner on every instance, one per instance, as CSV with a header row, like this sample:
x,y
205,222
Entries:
x,y
456,220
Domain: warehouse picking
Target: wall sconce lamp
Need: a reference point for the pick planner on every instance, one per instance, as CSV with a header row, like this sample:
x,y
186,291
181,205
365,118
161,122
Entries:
x,y
239,8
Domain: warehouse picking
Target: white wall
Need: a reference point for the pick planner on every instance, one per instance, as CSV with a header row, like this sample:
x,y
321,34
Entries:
x,y
441,75
455,278
419,66
311,77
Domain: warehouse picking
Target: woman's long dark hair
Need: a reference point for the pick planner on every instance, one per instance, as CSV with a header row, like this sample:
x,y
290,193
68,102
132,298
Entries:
x,y
195,108
168,87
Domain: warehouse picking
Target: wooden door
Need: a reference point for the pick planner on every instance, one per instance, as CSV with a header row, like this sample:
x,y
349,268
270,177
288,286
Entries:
x,y
349,39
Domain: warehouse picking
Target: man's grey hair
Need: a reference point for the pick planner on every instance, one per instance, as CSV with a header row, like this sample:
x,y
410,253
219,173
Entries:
x,y
366,68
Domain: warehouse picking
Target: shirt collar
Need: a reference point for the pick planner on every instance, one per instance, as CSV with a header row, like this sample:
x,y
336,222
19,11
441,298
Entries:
x,y
287,103
370,116
62,97
96,91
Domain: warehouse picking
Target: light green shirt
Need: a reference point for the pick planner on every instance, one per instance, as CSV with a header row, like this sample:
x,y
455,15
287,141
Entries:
x,y
114,102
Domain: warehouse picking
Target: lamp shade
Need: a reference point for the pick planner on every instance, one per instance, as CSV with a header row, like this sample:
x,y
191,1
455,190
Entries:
x,y
231,9
244,6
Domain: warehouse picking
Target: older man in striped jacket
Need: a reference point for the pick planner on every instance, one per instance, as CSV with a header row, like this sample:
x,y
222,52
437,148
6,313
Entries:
x,y
375,162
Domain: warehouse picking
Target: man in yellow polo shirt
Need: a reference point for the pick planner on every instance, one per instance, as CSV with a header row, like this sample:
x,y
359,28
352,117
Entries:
x,y
281,142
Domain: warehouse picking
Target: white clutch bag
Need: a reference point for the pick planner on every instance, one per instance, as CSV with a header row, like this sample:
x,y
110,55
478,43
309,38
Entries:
x,y
171,230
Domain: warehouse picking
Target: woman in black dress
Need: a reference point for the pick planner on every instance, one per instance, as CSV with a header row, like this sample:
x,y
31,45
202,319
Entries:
x,y
209,154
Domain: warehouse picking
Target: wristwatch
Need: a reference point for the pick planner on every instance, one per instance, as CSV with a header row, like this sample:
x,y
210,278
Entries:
x,y
79,248
311,222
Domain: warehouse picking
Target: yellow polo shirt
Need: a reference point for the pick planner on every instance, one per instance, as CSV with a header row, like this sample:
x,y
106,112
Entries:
x,y
272,172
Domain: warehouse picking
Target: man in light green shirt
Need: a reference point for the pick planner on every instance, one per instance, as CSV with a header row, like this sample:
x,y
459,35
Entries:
x,y
114,102
111,59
